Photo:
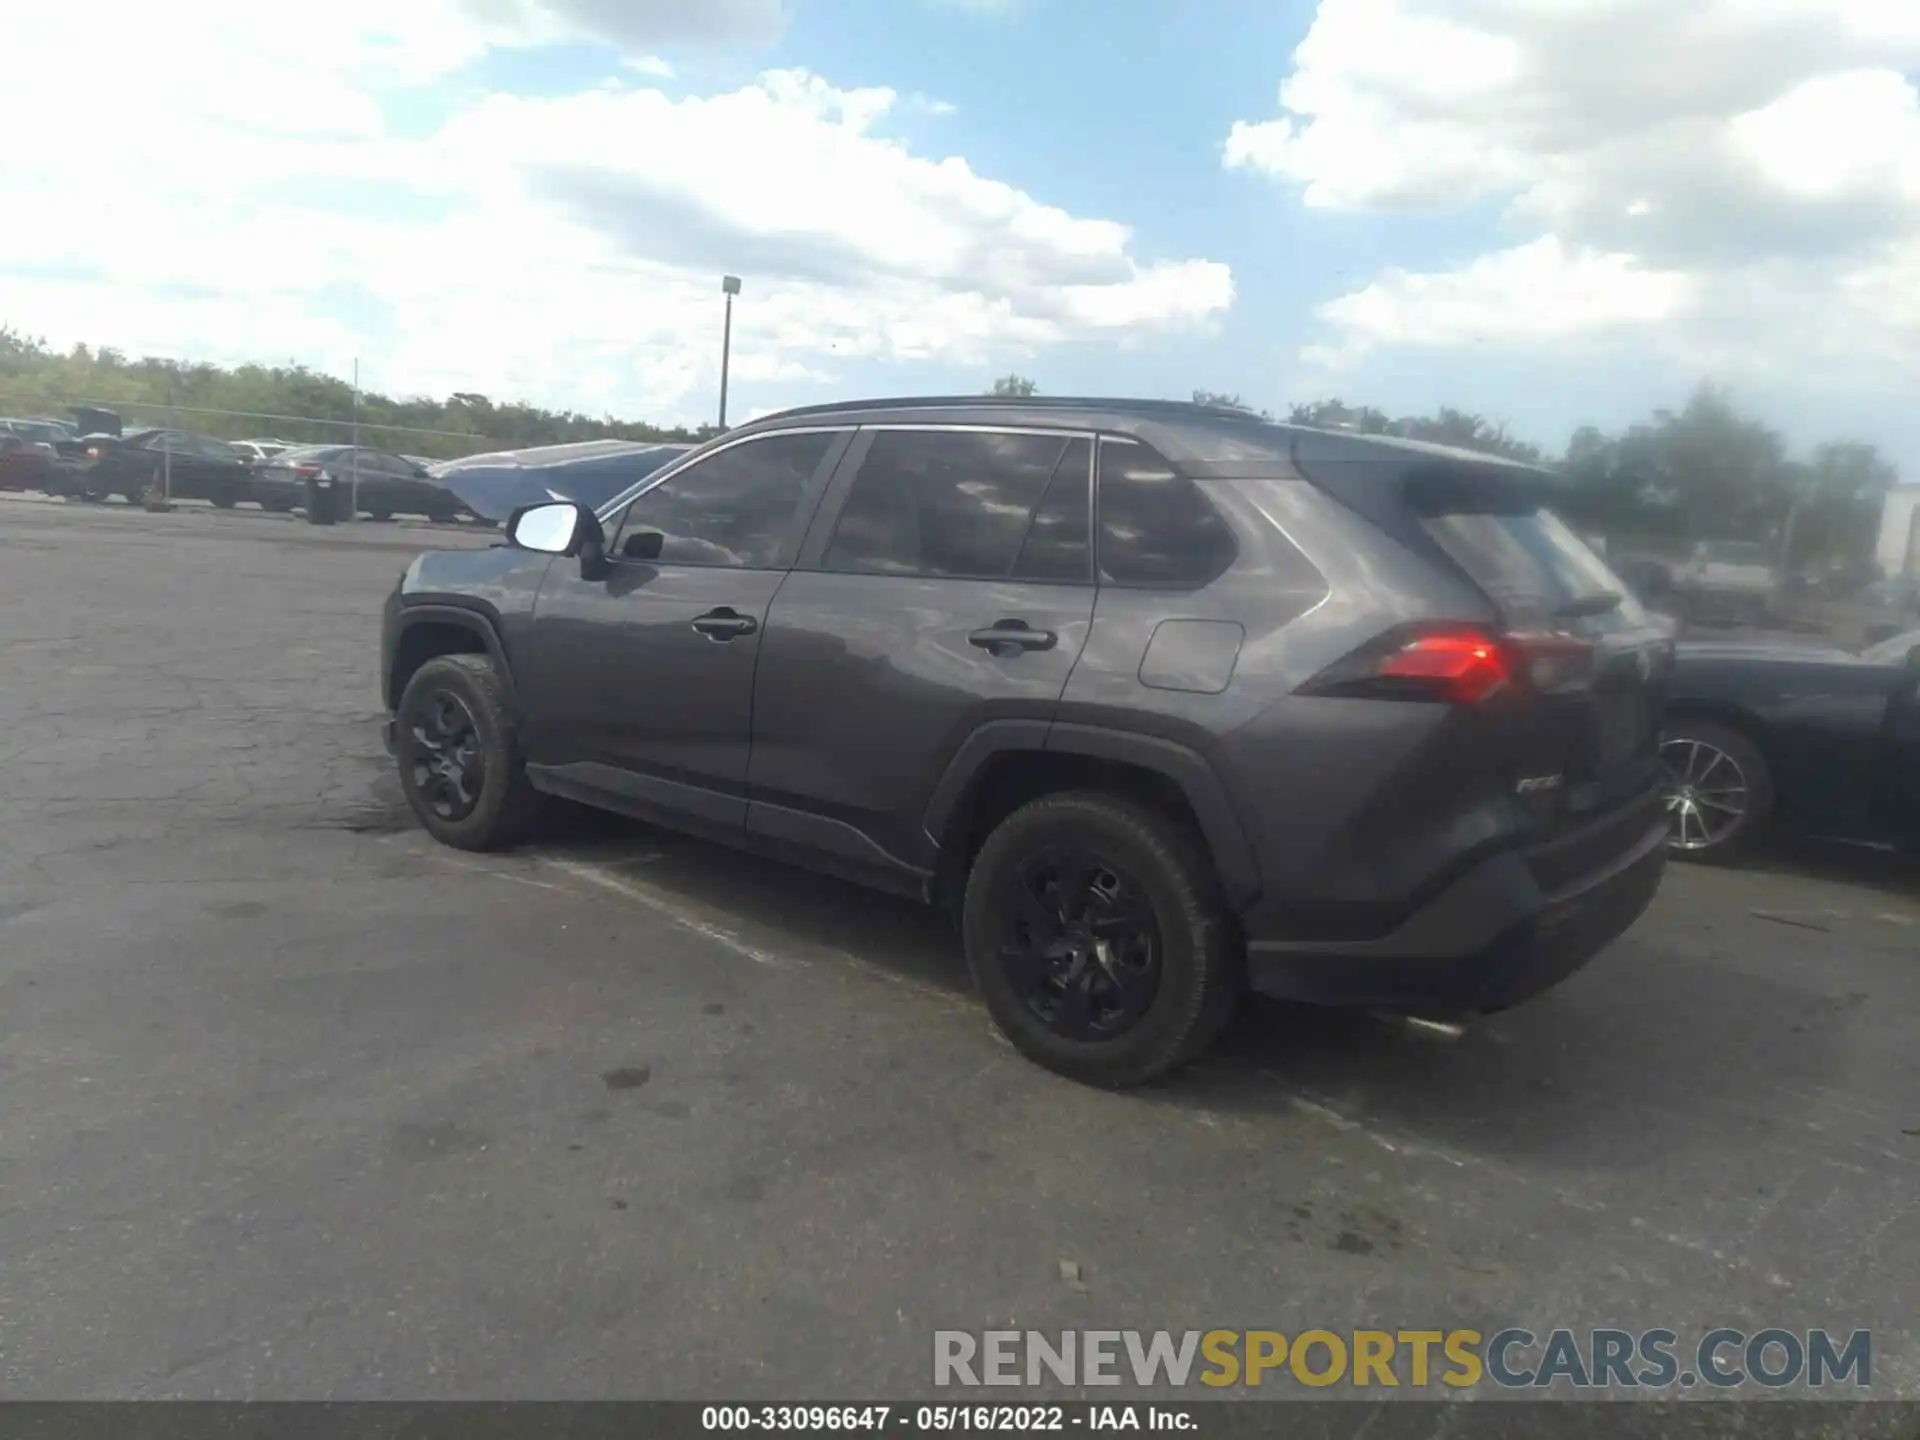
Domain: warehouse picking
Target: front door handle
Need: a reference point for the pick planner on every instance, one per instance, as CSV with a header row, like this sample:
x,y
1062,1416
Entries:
x,y
725,624
1008,638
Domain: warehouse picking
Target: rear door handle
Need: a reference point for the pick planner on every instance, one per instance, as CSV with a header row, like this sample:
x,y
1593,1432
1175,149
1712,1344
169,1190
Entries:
x,y
725,624
1012,637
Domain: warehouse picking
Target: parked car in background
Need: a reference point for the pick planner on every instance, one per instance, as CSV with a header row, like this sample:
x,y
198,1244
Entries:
x,y
1729,580
24,464
1807,738
1165,700
50,435
590,472
194,467
388,484
262,449
1893,600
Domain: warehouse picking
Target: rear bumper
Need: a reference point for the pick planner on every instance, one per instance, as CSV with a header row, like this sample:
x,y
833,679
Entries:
x,y
1515,925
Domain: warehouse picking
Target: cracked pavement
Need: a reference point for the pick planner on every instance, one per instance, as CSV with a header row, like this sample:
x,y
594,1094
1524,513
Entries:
x,y
299,1105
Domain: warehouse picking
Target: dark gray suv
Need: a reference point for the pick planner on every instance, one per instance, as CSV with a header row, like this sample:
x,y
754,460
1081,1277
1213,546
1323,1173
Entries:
x,y
1165,701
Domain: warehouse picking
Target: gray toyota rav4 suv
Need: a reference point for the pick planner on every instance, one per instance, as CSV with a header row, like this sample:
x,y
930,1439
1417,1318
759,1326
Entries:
x,y
1165,701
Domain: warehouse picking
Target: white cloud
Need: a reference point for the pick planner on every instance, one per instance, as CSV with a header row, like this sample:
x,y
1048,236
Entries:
x,y
634,24
1569,296
1728,181
566,249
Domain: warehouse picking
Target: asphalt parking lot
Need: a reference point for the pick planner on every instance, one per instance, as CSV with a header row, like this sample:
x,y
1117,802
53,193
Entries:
x,y
300,1105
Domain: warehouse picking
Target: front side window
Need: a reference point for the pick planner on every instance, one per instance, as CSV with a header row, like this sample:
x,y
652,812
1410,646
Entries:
x,y
735,508
1157,530
949,503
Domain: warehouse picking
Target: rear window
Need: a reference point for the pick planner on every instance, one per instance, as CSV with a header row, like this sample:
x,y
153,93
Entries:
x,y
1527,560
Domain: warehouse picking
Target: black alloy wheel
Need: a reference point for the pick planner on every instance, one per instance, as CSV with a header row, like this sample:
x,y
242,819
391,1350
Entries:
x,y
459,756
1082,946
1095,929
449,763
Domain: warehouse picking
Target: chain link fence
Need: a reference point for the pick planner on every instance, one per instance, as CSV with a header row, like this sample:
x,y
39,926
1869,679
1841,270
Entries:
x,y
19,403
66,474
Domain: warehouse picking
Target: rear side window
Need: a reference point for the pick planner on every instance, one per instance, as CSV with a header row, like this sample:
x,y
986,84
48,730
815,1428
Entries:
x,y
952,503
1157,530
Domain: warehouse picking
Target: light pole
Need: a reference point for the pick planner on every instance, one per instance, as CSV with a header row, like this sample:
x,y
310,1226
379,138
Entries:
x,y
730,287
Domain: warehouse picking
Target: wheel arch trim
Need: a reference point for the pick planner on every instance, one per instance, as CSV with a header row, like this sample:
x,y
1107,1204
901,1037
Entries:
x,y
1226,841
472,616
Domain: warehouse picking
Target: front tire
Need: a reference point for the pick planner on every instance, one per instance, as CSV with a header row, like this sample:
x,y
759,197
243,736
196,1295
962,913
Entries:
x,y
1720,790
459,756
1096,934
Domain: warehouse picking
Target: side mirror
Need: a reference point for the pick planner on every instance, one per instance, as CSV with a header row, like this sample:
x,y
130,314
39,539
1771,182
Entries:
x,y
563,528
642,545
1913,658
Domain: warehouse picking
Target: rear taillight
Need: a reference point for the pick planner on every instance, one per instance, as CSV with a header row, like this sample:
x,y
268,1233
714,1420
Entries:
x,y
94,452
1447,664
306,472
1459,664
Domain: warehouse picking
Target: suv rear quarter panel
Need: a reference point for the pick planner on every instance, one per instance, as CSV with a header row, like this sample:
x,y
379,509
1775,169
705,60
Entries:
x,y
1308,778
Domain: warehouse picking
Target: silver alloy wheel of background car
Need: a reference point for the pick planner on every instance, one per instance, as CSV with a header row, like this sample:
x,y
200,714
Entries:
x,y
1708,796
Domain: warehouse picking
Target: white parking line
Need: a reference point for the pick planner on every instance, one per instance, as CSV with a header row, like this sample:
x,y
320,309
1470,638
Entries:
x,y
671,909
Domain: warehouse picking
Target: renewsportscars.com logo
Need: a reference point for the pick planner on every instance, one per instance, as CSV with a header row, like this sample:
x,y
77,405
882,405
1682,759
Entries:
x,y
1592,1359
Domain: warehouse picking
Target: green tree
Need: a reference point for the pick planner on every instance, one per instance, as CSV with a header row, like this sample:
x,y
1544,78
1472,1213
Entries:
x,y
1338,415
1015,385
1705,471
1447,426
234,403
1834,504
1228,402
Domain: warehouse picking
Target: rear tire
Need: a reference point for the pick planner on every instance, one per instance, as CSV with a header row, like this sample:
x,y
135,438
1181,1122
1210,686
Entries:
x,y
222,501
1162,989
1722,790
454,719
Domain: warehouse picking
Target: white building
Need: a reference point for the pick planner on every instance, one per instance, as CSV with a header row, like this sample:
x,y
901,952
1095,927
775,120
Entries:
x,y
1899,548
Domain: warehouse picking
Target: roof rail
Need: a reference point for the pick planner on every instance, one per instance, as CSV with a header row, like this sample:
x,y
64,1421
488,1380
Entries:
x,y
1170,408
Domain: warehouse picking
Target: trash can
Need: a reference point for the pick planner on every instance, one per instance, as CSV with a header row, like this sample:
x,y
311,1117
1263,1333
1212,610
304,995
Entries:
x,y
320,499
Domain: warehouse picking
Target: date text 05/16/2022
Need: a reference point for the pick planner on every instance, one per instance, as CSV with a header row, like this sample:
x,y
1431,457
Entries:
x,y
943,1419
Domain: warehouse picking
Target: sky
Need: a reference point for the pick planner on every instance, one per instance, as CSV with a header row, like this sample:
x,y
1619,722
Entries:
x,y
1549,212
